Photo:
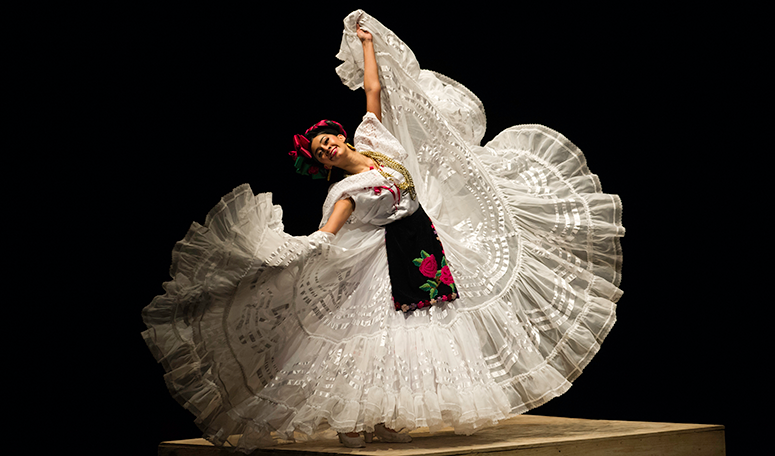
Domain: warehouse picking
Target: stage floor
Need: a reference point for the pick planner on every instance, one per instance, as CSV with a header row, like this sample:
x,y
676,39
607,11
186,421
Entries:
x,y
525,435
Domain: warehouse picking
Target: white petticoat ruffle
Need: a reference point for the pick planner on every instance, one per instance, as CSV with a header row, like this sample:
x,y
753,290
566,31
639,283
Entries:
x,y
274,337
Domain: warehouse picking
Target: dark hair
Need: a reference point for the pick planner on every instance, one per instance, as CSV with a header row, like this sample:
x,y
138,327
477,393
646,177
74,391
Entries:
x,y
327,130
324,127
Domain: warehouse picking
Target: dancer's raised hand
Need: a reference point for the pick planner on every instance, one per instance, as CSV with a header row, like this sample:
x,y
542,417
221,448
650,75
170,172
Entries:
x,y
362,34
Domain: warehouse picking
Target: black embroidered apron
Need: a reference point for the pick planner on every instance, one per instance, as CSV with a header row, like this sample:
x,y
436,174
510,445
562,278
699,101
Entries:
x,y
418,267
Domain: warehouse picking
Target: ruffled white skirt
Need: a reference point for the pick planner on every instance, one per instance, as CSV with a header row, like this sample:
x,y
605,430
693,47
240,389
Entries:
x,y
274,337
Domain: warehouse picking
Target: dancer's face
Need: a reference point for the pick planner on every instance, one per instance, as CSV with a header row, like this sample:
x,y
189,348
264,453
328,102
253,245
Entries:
x,y
328,149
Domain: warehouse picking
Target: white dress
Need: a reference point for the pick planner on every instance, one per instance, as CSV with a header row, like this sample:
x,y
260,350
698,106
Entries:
x,y
274,337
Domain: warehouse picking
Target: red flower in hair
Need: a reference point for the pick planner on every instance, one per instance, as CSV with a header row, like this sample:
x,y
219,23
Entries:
x,y
301,144
327,123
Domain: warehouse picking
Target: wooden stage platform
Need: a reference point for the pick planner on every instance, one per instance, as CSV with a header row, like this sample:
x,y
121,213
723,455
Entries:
x,y
526,435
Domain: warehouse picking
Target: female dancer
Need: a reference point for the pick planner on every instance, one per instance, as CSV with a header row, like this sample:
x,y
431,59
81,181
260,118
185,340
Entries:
x,y
450,284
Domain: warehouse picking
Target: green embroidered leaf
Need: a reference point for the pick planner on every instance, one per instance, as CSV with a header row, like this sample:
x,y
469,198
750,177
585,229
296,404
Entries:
x,y
417,262
426,287
443,261
434,293
452,285
438,274
424,254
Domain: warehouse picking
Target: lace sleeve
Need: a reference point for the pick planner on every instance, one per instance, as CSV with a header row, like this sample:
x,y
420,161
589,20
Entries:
x,y
372,135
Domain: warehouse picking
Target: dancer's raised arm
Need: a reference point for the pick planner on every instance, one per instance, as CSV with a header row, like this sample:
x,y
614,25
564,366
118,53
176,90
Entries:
x,y
370,74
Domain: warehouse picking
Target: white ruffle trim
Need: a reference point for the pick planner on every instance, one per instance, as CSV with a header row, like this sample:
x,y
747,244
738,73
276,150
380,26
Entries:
x,y
426,370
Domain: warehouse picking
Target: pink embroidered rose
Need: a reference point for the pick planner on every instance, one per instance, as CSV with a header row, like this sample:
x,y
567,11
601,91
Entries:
x,y
313,170
446,276
429,267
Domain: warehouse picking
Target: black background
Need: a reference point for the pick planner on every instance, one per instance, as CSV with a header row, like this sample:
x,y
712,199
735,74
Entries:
x,y
160,112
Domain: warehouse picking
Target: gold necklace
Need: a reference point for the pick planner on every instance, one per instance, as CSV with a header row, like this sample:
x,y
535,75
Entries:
x,y
382,160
